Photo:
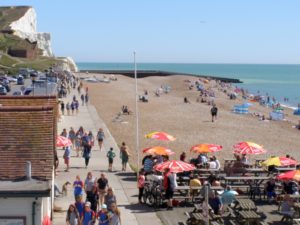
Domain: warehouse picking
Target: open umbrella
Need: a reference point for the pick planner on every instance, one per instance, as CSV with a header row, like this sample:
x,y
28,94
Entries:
x,y
160,136
206,148
174,166
279,161
62,141
291,175
248,148
158,150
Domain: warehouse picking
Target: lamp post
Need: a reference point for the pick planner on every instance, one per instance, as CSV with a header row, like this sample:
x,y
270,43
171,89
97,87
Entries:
x,y
137,147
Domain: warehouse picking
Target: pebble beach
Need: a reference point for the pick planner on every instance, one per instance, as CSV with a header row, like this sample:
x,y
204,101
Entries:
x,y
189,123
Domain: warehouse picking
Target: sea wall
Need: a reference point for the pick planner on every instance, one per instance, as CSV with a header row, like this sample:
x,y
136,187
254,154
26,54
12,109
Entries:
x,y
26,28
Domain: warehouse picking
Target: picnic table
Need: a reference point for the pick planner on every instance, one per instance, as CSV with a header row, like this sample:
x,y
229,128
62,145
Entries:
x,y
284,169
256,171
249,217
245,180
244,204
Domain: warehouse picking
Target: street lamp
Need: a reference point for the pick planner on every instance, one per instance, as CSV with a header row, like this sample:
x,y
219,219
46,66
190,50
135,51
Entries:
x,y
136,114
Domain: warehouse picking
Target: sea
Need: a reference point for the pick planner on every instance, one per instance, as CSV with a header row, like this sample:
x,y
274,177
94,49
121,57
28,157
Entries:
x,y
279,80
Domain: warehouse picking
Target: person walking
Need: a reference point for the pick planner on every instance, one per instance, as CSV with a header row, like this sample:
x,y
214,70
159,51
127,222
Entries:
x,y
110,155
68,108
169,187
110,198
86,97
72,107
214,112
124,152
102,215
86,143
102,187
141,184
90,190
72,136
115,216
73,217
78,187
67,156
88,215
62,108
92,139
100,137
82,99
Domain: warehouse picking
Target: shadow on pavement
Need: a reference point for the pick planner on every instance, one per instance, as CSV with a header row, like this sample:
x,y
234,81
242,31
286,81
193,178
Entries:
x,y
138,208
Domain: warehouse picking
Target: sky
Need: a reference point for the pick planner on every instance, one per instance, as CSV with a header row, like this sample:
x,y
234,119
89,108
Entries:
x,y
173,31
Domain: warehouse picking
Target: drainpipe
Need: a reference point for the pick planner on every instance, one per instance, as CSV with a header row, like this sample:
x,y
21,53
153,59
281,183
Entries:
x,y
28,170
33,212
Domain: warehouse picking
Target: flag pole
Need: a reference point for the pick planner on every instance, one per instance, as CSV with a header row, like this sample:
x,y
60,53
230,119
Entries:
x,y
136,114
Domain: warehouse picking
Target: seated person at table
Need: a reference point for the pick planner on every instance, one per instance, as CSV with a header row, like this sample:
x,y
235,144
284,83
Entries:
x,y
244,159
212,164
270,189
290,187
215,203
195,182
202,159
216,182
217,162
286,207
228,196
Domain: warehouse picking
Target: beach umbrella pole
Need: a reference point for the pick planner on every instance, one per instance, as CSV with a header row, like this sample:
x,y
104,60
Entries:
x,y
136,113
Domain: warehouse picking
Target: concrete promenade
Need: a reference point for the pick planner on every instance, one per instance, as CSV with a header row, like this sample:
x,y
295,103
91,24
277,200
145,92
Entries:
x,y
123,183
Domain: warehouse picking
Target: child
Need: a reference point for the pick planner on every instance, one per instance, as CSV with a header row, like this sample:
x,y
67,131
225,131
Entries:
x,y
141,184
67,156
102,215
110,155
115,215
72,215
79,204
88,215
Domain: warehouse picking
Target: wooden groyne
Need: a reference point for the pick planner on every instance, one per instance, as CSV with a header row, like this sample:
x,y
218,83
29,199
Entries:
x,y
150,73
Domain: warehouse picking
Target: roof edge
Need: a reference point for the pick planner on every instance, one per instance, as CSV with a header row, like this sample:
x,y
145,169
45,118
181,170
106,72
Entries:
x,y
28,97
25,108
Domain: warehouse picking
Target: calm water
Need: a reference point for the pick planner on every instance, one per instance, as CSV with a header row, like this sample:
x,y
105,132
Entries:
x,y
276,80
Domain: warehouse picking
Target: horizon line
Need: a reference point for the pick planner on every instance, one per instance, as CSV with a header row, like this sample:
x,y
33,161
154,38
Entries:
x,y
296,64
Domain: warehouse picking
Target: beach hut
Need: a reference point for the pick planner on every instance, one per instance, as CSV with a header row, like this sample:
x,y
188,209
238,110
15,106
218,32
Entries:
x,y
241,109
277,115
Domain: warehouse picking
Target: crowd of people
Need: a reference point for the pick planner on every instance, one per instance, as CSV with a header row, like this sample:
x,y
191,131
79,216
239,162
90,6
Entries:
x,y
100,203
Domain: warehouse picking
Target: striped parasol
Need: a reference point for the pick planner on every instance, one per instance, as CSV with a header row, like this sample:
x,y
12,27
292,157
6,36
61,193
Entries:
x,y
62,141
206,148
158,150
291,175
160,136
174,166
248,148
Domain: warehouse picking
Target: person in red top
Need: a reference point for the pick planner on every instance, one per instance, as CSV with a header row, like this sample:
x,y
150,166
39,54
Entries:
x,y
169,187
141,184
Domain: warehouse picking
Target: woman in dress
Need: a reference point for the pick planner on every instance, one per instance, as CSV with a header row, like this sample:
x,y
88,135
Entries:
x,y
100,137
124,152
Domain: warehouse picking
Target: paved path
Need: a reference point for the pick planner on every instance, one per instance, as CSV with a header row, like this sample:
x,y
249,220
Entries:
x,y
124,183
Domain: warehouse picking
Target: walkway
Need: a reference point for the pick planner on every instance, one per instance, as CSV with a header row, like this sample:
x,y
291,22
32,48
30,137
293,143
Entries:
x,y
124,183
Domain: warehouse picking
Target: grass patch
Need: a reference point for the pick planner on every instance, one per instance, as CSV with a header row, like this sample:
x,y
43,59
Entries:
x,y
5,60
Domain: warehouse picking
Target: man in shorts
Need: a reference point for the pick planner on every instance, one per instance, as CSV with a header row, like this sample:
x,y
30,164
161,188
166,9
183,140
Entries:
x,y
214,112
169,187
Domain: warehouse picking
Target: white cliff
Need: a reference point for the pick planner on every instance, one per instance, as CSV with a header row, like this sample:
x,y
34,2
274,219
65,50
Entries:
x,y
25,28
68,64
